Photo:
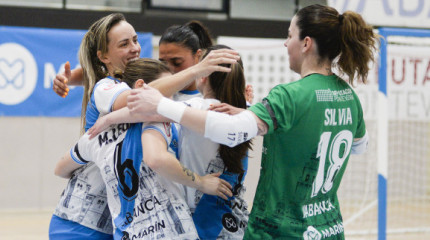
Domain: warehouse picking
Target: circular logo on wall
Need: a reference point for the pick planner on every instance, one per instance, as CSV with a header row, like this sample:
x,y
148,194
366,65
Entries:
x,y
18,73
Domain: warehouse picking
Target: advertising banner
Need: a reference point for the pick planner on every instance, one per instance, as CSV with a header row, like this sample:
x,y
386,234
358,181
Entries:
x,y
388,13
30,58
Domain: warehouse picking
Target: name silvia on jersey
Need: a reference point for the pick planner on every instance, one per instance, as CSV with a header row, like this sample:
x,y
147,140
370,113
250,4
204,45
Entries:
x,y
337,117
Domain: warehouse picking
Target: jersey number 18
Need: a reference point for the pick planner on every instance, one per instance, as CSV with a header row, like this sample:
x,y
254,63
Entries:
x,y
337,151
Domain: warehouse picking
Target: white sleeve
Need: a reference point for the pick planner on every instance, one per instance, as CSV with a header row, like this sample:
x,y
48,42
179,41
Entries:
x,y
81,151
230,130
105,94
164,128
360,146
196,102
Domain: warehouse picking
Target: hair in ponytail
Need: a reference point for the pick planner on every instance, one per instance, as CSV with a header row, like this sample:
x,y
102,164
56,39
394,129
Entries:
x,y
358,45
193,35
96,39
230,88
346,36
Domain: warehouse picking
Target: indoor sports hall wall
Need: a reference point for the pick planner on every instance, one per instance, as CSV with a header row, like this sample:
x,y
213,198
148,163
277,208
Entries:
x,y
37,126
32,141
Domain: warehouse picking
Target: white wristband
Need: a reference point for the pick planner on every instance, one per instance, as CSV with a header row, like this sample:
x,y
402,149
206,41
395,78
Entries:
x,y
171,109
230,130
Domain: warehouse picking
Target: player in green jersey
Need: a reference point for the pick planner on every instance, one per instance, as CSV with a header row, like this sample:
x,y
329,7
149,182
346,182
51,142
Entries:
x,y
310,126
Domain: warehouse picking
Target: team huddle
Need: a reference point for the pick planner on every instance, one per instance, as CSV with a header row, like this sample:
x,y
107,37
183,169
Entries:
x,y
164,150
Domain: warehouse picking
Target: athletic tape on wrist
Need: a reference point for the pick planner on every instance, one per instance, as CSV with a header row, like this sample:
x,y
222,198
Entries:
x,y
171,109
230,130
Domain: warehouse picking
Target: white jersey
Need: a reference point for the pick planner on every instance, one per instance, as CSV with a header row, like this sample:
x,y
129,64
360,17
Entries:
x,y
84,199
198,153
170,133
214,217
186,94
102,99
140,205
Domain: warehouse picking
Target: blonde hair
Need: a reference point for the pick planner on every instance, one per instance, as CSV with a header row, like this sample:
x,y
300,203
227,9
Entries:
x,y
96,39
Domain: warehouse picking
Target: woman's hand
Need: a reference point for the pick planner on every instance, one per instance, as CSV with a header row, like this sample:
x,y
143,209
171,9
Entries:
x,y
211,63
213,185
60,81
101,124
225,108
249,94
144,102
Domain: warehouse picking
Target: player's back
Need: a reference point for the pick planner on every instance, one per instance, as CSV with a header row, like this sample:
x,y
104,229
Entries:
x,y
304,159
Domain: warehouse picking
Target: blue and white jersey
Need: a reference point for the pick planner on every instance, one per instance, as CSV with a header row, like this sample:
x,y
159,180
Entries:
x,y
214,217
170,133
186,95
102,98
140,205
84,199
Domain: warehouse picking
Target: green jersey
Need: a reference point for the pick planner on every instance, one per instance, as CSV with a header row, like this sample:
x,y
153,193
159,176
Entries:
x,y
312,124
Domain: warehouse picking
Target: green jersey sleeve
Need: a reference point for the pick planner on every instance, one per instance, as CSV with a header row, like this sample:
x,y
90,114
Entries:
x,y
276,110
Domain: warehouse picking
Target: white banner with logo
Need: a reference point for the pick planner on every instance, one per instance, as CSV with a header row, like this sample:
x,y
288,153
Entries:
x,y
388,13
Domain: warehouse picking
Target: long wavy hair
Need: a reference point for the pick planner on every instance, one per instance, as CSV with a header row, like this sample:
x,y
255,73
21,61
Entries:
x,y
96,39
230,88
346,36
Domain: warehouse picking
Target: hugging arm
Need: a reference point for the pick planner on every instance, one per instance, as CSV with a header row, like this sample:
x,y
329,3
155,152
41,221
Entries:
x,y
156,156
219,127
171,84
66,166
74,158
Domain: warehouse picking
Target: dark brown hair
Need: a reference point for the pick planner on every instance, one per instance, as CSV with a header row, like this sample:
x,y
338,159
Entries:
x,y
193,35
346,36
230,88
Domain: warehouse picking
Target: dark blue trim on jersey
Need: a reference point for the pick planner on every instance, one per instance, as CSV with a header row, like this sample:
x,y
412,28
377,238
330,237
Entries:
x,y
127,161
217,208
112,78
271,113
190,92
175,140
175,137
78,159
150,127
92,114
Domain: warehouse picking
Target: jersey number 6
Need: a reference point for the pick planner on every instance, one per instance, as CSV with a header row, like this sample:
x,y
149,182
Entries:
x,y
127,176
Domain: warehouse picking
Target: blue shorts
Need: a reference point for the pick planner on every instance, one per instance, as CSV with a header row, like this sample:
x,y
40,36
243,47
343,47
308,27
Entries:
x,y
62,229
